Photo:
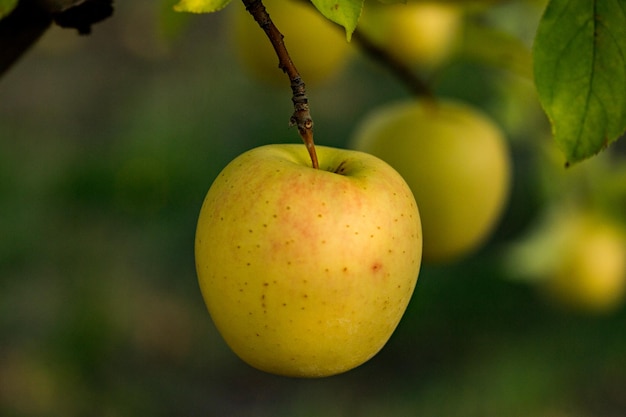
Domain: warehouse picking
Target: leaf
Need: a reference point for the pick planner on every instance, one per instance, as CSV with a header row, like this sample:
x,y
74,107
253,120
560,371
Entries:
x,y
580,73
6,7
200,6
343,12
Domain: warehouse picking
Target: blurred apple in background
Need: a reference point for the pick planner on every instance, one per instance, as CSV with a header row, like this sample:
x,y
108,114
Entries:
x,y
456,161
307,272
317,46
420,33
591,272
576,257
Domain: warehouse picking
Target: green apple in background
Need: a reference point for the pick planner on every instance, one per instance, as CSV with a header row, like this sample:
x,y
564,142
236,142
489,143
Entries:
x,y
307,272
317,46
588,271
575,256
420,33
456,161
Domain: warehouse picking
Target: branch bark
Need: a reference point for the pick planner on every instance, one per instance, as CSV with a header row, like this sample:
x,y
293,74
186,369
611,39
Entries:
x,y
301,117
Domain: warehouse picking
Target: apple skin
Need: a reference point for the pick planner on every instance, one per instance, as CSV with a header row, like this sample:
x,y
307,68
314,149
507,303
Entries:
x,y
456,161
307,272
317,47
589,268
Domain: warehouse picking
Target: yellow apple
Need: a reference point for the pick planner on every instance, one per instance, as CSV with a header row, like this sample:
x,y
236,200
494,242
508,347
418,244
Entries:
x,y
456,161
417,32
307,272
589,264
317,47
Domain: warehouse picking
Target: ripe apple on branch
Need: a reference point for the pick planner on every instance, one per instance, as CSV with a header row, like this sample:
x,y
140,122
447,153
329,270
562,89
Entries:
x,y
306,265
307,272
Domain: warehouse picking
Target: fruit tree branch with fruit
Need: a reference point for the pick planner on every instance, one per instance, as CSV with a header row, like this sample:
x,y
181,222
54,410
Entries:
x,y
307,272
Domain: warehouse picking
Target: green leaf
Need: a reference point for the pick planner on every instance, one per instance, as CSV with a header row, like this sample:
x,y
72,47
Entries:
x,y
580,73
200,6
344,12
6,7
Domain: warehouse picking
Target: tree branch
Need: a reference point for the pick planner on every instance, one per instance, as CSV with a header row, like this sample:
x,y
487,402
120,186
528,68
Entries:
x,y
20,30
31,18
301,116
402,72
416,85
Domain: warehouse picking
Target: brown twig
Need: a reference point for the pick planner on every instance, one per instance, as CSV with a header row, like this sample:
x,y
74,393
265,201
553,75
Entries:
x,y
301,116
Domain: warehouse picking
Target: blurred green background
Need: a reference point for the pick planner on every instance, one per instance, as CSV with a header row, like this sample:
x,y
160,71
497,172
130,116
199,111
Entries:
x,y
108,144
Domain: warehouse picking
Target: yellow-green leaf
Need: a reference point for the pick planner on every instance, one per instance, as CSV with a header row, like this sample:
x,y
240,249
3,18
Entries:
x,y
580,73
6,7
200,6
343,12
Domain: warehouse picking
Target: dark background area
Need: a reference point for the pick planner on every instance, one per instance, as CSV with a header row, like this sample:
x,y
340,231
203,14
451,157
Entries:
x,y
108,144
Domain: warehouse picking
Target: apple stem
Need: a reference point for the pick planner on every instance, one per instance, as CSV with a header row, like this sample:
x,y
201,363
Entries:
x,y
301,117
416,85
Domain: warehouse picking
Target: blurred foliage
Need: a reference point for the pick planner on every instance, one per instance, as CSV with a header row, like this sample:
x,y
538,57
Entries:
x,y
108,145
6,7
